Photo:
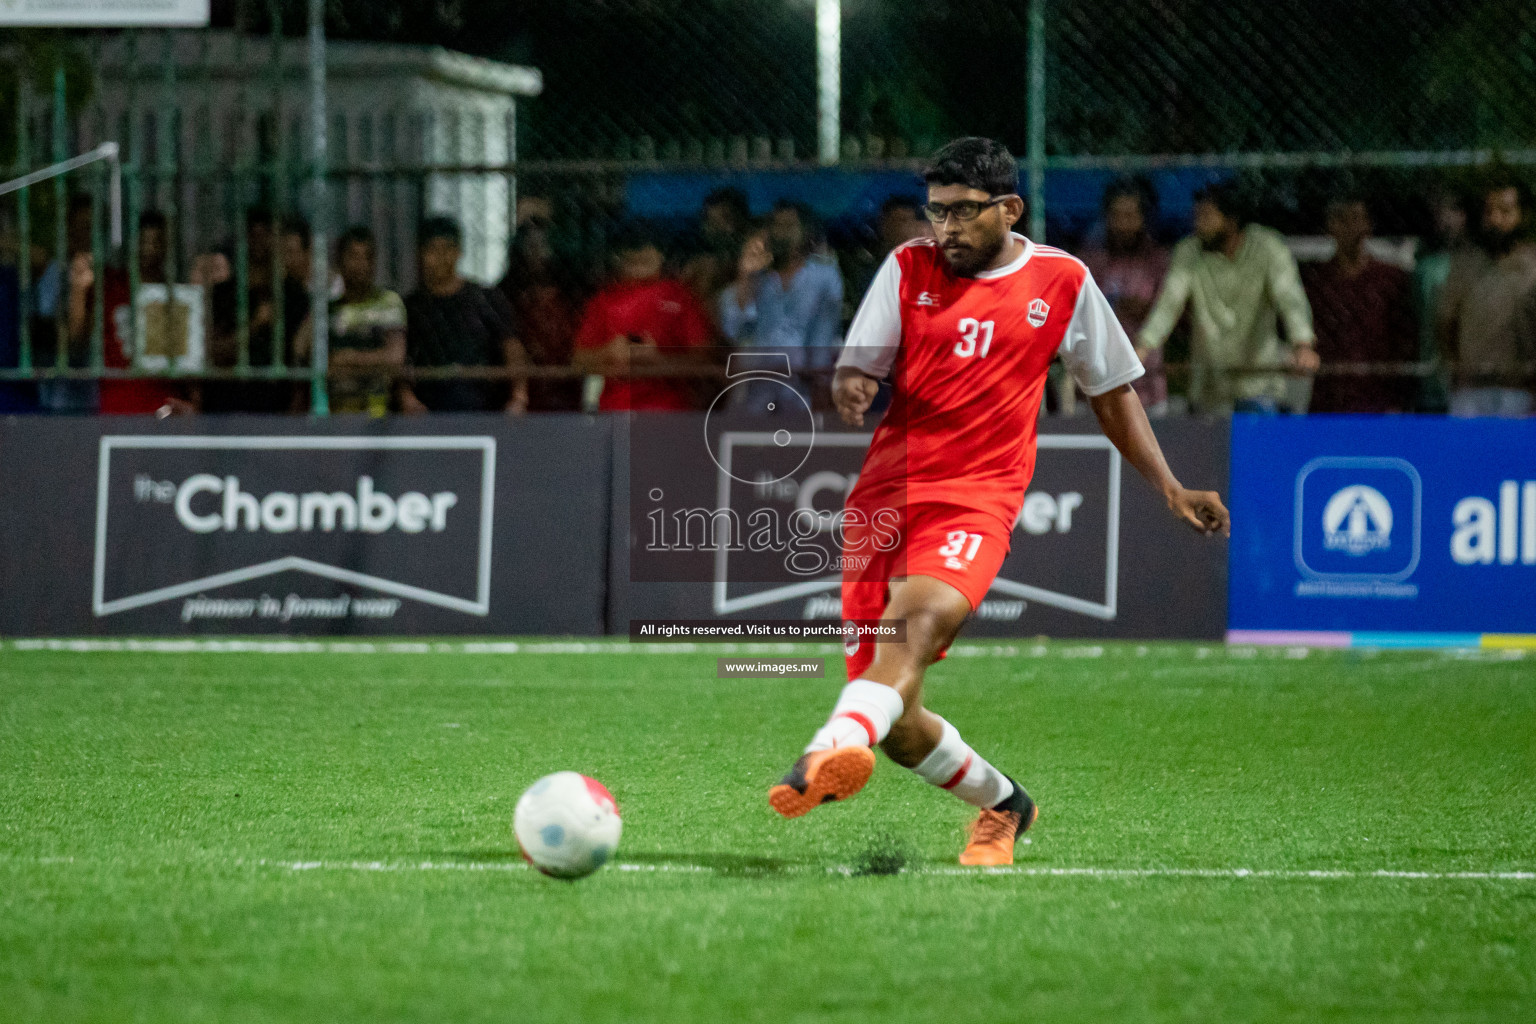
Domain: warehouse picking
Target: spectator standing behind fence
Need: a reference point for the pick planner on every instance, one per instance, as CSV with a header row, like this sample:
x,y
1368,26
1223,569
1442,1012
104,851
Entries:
x,y
1362,312
298,255
900,220
785,299
366,340
1237,279
1449,243
544,299
1486,320
725,220
639,320
139,396
52,294
267,338
1129,268
296,241
451,322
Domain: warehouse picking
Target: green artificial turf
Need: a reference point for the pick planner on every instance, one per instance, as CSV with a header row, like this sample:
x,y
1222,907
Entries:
x,y
153,807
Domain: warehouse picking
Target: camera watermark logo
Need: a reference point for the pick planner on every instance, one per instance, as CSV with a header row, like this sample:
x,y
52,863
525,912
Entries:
x,y
752,489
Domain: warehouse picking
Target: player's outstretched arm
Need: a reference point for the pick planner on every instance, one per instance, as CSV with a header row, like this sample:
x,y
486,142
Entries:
x,y
852,392
1124,422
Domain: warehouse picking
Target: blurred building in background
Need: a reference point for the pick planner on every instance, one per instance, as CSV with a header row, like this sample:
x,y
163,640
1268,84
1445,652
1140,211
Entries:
x,y
221,122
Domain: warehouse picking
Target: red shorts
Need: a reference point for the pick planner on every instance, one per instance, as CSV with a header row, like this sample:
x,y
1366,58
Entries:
x,y
961,546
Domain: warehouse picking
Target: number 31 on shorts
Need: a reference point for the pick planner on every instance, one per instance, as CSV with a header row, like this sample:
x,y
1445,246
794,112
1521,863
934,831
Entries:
x,y
957,541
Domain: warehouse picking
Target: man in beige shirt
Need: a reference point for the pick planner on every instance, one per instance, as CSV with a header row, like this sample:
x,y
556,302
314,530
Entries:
x,y
1238,280
1486,321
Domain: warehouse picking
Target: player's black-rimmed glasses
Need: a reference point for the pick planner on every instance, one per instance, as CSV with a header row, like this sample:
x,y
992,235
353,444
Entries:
x,y
963,210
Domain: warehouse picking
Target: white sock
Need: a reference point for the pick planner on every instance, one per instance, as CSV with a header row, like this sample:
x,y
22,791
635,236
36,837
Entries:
x,y
863,716
954,766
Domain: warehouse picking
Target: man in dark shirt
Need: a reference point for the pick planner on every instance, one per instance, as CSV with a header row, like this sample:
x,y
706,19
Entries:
x,y
1362,311
453,322
1487,313
254,395
1129,267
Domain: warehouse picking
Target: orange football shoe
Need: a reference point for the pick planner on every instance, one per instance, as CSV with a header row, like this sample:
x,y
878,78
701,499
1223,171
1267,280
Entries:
x,y
995,830
822,776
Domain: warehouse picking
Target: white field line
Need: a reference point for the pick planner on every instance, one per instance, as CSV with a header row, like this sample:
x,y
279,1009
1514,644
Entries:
x,y
1016,870
965,650
1021,871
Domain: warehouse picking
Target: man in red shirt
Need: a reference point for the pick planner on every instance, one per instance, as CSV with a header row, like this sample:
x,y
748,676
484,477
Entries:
x,y
965,326
130,396
640,320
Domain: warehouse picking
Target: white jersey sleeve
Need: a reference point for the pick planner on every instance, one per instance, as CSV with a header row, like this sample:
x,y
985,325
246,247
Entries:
x,y
1095,349
874,337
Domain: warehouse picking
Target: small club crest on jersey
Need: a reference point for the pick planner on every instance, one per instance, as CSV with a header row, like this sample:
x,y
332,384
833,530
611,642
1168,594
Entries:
x,y
1038,311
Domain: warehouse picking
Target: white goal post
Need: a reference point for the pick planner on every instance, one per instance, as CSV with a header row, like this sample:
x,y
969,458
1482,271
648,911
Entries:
x,y
107,151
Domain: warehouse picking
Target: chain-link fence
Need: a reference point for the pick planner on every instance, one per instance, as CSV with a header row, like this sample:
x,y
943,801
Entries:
x,y
1422,79
599,114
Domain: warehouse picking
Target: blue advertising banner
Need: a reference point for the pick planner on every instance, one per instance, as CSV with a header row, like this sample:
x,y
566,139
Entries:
x,y
1363,530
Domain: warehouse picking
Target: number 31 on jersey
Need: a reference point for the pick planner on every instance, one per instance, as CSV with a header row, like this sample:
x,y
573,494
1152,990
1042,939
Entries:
x,y
970,331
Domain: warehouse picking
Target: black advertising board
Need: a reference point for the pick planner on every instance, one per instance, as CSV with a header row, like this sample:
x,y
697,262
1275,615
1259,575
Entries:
x,y
1094,552
556,524
454,524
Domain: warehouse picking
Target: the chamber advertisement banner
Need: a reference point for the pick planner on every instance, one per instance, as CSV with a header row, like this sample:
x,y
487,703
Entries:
x,y
459,524
179,517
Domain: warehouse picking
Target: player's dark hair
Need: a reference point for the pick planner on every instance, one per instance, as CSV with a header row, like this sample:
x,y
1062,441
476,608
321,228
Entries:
x,y
1226,197
975,162
434,228
357,234
902,202
152,219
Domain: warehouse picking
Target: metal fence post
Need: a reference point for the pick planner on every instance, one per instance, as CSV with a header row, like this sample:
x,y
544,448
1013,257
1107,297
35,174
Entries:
x,y
1035,158
24,216
60,226
829,87
168,147
242,241
282,344
320,274
97,354
135,196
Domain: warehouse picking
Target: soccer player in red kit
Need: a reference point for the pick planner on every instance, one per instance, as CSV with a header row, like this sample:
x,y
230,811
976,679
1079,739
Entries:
x,y
965,326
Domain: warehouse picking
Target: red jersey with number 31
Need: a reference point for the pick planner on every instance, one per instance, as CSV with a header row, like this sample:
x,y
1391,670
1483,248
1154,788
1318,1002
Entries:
x,y
967,360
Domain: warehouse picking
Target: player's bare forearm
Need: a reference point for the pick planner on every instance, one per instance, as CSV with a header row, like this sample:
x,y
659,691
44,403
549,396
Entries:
x,y
853,391
1124,422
